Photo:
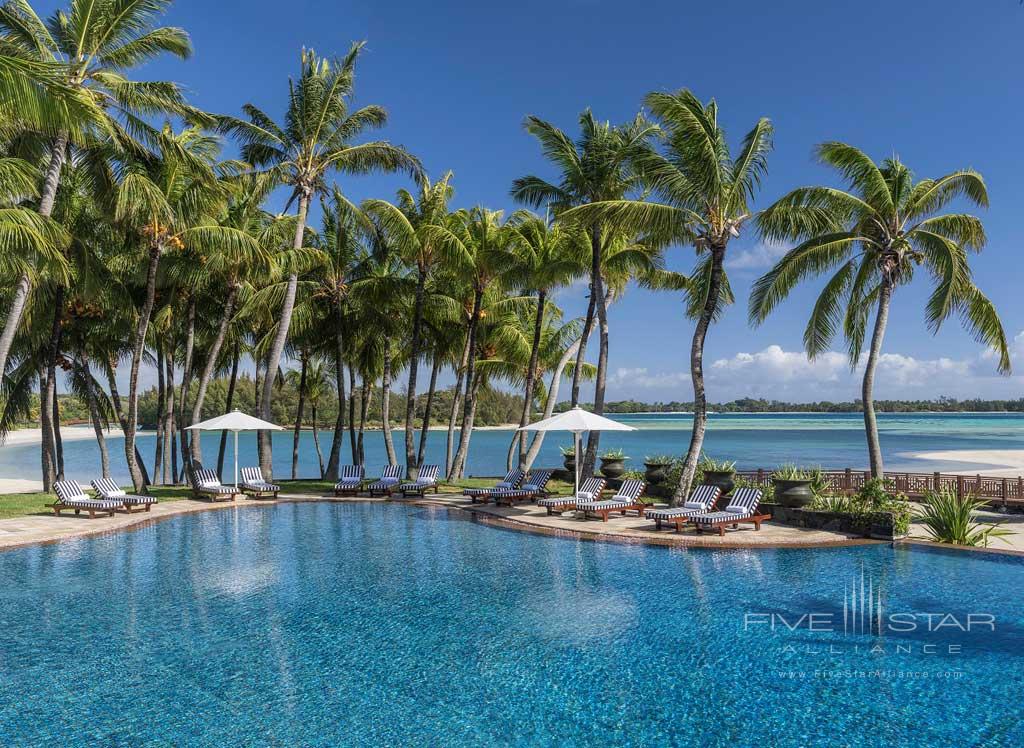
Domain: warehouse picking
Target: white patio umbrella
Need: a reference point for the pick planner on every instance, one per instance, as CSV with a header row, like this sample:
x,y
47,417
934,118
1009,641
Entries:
x,y
577,421
234,421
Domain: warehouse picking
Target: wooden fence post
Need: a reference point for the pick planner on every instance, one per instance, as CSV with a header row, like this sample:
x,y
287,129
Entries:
x,y
1005,491
937,482
848,480
959,486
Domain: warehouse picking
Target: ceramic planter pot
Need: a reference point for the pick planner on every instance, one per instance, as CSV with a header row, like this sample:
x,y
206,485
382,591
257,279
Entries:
x,y
793,493
724,479
613,468
657,472
569,463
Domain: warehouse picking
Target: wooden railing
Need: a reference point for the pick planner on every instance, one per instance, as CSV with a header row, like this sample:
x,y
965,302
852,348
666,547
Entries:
x,y
998,490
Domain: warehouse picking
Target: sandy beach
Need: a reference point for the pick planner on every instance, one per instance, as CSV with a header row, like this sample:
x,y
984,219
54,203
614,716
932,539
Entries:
x,y
1000,463
22,437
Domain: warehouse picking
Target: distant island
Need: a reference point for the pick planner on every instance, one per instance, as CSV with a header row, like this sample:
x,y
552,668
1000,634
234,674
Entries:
x,y
760,405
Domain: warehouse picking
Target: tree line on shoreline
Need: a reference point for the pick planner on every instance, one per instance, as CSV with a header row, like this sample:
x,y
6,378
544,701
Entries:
x,y
130,238
760,405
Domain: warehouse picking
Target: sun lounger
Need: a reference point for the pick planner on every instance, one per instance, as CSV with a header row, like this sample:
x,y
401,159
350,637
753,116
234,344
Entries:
x,y
351,481
254,485
388,481
427,478
533,487
701,501
589,491
511,480
205,483
742,507
109,490
626,499
71,496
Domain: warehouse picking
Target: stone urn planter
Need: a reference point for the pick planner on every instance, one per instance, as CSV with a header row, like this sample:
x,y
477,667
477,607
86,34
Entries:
x,y
569,463
656,473
724,479
793,493
613,467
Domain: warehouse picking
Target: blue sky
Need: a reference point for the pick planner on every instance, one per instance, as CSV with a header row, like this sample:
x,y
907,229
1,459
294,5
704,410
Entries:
x,y
935,81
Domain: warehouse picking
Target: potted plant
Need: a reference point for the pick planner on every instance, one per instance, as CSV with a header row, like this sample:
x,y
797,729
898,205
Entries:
x,y
657,468
569,459
793,486
613,464
721,473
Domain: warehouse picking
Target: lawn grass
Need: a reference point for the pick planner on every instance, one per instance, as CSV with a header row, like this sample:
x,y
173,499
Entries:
x,y
23,504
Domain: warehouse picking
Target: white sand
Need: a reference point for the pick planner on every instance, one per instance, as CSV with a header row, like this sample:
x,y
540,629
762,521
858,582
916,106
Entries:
x,y
999,463
22,437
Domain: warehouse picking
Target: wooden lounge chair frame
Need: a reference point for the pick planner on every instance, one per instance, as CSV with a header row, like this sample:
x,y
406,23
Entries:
x,y
106,487
637,505
570,501
509,497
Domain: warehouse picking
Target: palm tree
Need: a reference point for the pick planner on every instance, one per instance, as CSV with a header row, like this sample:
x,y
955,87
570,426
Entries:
x,y
874,236
315,139
409,229
703,196
170,202
86,53
597,168
550,257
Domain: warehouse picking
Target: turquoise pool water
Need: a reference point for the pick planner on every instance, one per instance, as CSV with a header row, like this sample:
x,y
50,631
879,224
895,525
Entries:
x,y
368,625
753,440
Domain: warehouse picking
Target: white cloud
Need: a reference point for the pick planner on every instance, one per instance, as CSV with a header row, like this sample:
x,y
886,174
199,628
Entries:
x,y
775,373
759,257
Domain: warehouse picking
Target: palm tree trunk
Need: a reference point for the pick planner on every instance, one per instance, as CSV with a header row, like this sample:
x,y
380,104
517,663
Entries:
x,y
161,421
21,291
385,406
298,417
428,409
115,396
58,442
138,346
316,439
58,155
531,375
364,404
232,382
588,329
94,416
352,414
186,381
700,403
49,471
277,348
210,366
601,305
170,434
49,397
467,427
456,401
868,385
411,465
549,406
469,406
334,461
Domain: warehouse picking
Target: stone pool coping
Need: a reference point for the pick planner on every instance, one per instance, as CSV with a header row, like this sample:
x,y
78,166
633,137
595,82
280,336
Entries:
x,y
42,529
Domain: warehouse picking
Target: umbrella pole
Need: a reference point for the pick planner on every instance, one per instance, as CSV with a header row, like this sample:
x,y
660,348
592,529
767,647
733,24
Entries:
x,y
576,463
236,460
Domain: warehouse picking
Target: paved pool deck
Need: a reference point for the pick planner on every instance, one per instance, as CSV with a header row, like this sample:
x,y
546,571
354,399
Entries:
x,y
47,528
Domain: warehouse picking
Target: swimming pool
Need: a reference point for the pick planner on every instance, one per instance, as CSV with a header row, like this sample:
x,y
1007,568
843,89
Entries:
x,y
367,624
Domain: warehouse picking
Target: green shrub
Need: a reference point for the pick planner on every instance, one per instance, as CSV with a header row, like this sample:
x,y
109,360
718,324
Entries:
x,y
633,475
614,454
872,505
568,451
948,518
709,465
659,459
790,471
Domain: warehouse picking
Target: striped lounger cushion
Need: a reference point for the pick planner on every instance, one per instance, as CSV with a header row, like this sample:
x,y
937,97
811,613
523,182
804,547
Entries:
x,y
108,489
702,499
743,504
71,494
351,477
626,498
589,491
252,478
389,479
208,482
426,479
511,480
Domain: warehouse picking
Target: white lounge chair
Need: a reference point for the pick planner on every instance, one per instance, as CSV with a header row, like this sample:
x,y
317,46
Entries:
x,y
589,491
742,507
253,483
702,500
388,481
627,498
425,479
109,490
511,480
71,496
351,480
